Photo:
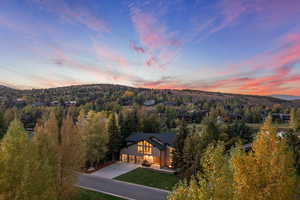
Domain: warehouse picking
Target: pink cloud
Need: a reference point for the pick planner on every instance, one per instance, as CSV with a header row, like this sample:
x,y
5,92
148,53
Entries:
x,y
154,38
136,48
61,59
152,34
231,10
268,14
38,81
111,55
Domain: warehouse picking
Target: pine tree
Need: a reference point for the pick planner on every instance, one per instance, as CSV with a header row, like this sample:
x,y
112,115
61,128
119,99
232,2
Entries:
x,y
113,131
2,125
182,133
214,183
295,119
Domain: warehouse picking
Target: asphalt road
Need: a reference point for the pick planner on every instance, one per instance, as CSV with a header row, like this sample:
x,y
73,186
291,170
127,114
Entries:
x,y
124,190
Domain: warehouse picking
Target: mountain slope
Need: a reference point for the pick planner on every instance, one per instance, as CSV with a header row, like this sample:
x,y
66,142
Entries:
x,y
286,97
110,93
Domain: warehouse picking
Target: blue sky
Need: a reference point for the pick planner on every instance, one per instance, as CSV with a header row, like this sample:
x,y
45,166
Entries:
x,y
238,46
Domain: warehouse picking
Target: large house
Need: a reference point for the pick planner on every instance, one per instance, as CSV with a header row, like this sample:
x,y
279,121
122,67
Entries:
x,y
156,148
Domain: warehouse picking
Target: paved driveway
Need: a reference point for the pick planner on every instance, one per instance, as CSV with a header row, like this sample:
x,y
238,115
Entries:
x,y
115,170
121,189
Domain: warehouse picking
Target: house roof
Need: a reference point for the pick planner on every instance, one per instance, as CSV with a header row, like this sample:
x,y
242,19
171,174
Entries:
x,y
159,140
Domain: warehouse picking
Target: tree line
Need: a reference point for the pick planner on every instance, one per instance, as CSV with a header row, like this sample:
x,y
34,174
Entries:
x,y
215,168
44,165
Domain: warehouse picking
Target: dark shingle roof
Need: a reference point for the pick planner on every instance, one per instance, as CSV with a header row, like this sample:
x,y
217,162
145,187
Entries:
x,y
157,139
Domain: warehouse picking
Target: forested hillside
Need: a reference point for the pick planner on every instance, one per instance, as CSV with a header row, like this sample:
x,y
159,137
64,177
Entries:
x,y
126,95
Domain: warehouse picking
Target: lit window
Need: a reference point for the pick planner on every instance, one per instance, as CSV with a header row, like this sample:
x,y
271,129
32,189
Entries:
x,y
147,148
144,147
140,147
124,158
171,156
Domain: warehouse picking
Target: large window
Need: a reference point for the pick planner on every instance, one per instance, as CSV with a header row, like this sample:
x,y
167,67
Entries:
x,y
131,158
171,156
140,147
147,148
124,157
144,147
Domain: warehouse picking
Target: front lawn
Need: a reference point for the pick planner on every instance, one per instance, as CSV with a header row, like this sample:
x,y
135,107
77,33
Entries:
x,y
150,178
90,195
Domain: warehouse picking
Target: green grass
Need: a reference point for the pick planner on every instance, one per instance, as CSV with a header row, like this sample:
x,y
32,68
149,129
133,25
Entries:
x,y
150,178
90,195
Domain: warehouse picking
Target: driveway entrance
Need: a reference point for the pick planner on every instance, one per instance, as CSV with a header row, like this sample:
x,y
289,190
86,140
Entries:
x,y
115,170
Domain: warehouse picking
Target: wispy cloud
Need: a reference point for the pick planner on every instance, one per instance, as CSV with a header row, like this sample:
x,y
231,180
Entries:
x,y
154,37
38,81
61,59
75,14
274,74
104,52
136,48
267,14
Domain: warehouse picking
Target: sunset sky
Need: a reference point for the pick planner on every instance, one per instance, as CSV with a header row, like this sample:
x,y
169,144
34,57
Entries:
x,y
236,46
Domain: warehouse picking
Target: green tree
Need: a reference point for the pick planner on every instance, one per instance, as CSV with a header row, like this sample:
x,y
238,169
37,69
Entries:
x,y
293,141
215,182
94,136
56,155
265,173
239,132
295,119
70,159
2,125
13,162
114,134
182,133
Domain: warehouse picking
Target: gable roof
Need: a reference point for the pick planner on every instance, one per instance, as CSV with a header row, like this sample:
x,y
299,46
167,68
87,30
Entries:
x,y
159,140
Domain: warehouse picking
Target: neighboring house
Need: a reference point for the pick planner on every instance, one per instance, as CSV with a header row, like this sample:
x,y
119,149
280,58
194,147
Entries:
x,y
54,103
220,120
150,102
38,104
281,117
70,103
156,148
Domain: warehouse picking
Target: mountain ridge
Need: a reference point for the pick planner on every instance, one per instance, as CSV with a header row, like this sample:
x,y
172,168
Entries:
x,y
281,97
286,97
96,91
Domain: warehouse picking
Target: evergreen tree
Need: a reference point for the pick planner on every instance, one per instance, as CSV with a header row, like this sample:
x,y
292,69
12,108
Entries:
x,y
214,183
113,131
2,125
192,152
239,131
295,119
293,141
182,133
128,123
